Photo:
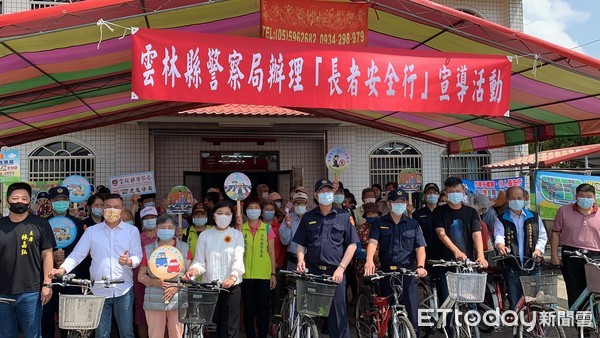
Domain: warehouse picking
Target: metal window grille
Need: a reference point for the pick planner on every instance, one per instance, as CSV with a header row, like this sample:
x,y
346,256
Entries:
x,y
466,166
57,160
37,4
387,161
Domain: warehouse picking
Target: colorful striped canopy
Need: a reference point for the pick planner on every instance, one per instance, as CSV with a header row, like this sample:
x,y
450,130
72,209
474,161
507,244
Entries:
x,y
56,78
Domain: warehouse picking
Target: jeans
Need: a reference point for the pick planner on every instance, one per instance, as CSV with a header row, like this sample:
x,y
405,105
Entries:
x,y
513,284
122,307
25,312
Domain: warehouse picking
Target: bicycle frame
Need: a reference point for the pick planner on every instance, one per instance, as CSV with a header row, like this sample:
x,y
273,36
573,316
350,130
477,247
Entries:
x,y
586,296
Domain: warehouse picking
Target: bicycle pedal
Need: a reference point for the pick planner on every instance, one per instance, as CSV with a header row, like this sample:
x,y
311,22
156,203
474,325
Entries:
x,y
211,327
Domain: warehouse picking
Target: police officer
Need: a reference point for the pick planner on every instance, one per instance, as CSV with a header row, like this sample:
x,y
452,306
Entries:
x,y
424,217
400,241
326,242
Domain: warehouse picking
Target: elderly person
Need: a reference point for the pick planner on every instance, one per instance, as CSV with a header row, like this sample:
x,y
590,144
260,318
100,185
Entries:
x,y
160,297
220,256
148,216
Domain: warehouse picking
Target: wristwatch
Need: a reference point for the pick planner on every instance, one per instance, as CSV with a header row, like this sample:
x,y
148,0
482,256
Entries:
x,y
233,278
46,285
420,267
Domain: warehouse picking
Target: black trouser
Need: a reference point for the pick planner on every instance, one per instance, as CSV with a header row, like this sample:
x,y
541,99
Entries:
x,y
277,294
50,310
352,279
573,270
227,313
255,293
337,321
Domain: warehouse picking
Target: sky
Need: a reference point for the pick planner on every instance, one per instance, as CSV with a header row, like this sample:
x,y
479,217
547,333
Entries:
x,y
568,23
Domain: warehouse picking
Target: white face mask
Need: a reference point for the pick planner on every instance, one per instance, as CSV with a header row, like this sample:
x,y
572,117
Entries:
x,y
223,221
370,200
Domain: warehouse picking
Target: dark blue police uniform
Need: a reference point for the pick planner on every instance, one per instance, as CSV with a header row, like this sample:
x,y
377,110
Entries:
x,y
397,244
424,217
326,238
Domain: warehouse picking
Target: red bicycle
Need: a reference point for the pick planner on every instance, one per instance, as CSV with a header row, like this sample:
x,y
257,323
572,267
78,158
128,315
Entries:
x,y
374,313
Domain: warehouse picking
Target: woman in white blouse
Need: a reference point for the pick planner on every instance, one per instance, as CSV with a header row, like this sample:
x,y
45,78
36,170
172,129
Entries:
x,y
220,256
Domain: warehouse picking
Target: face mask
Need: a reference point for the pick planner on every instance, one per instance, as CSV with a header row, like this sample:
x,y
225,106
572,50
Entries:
x,y
129,222
585,203
223,221
253,213
516,205
165,234
326,198
170,212
338,199
432,198
398,208
60,207
200,221
278,204
370,220
300,209
149,204
269,215
455,197
442,203
112,215
97,212
370,200
149,224
18,208
265,195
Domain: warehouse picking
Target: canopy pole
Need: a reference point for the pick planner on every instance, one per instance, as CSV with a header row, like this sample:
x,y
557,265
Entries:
x,y
535,170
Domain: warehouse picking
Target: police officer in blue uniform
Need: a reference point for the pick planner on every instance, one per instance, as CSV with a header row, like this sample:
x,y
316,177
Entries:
x,y
326,241
401,242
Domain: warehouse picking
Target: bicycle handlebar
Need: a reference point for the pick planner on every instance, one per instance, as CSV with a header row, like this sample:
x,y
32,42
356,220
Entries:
x,y
70,280
583,253
401,272
296,274
459,264
514,258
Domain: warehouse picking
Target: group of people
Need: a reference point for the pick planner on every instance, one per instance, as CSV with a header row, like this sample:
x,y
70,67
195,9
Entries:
x,y
244,249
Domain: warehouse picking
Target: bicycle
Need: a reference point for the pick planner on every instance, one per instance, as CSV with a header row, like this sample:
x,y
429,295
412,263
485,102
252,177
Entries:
x,y
309,296
80,314
196,306
373,312
539,299
589,299
465,286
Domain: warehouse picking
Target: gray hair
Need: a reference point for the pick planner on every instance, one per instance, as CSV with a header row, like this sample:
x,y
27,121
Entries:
x,y
166,218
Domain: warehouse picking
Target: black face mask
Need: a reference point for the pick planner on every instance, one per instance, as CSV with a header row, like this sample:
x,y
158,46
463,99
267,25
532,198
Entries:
x,y
18,208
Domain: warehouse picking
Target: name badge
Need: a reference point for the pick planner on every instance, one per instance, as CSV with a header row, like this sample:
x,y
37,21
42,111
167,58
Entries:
x,y
312,222
385,228
422,216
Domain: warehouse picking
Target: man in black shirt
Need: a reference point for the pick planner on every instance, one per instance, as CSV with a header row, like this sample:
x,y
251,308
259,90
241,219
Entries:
x,y
26,243
424,217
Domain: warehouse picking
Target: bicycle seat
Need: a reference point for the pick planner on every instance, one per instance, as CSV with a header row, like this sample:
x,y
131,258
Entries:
x,y
495,278
368,280
430,279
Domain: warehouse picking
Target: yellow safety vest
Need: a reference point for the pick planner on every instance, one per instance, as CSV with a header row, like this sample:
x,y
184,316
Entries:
x,y
256,252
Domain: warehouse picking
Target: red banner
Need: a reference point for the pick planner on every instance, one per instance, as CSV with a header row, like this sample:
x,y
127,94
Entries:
x,y
179,66
325,22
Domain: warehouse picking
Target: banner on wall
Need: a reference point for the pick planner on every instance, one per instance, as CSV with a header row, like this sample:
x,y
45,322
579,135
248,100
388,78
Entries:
x,y
553,190
324,22
131,184
208,68
491,188
10,166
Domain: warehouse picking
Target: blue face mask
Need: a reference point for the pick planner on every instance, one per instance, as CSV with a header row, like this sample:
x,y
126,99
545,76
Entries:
x,y
455,197
516,205
585,203
338,199
199,221
129,222
398,208
253,213
60,207
149,224
300,209
370,220
97,212
269,215
432,198
166,234
325,198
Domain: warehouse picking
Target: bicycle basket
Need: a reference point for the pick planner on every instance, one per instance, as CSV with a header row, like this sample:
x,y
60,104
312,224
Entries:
x,y
541,289
79,312
314,298
592,277
196,306
466,287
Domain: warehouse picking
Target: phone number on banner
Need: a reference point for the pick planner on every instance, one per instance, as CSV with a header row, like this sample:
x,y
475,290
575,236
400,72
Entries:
x,y
323,38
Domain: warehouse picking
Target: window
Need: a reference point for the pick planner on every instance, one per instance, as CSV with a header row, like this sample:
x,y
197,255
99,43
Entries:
x,y
57,160
466,166
387,161
37,4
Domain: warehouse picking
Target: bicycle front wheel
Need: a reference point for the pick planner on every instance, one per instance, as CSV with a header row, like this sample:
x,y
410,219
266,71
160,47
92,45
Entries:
x,y
306,329
362,322
402,328
285,326
539,322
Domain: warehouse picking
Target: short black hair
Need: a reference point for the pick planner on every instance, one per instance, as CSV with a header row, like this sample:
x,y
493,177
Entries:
x,y
18,186
452,181
93,199
376,185
114,197
367,190
252,200
213,196
584,187
102,190
393,184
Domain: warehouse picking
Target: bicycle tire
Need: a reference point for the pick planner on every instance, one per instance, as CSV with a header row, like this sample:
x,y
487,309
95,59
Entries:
x,y
464,330
596,314
425,294
363,325
402,328
284,328
308,328
539,331
482,308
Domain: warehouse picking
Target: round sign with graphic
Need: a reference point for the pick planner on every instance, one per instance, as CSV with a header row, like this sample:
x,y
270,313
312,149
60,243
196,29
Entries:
x,y
79,188
180,199
337,160
410,180
166,262
64,230
237,186
45,210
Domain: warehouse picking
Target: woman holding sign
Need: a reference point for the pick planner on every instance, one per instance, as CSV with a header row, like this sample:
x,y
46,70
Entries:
x,y
163,260
220,256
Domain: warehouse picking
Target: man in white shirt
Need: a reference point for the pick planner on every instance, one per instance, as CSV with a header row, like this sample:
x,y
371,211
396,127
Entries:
x,y
115,249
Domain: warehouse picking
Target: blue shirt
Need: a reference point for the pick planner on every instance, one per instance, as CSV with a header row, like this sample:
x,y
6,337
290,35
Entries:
x,y
286,234
325,237
397,242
